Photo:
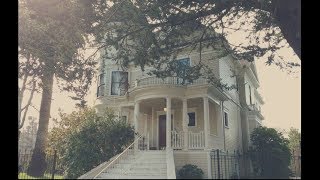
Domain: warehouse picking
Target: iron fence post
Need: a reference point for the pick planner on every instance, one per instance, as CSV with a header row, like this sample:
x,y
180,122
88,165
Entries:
x,y
218,161
54,164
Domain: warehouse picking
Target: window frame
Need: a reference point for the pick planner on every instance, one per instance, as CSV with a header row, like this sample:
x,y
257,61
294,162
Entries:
x,y
190,64
224,119
111,83
101,84
192,110
250,95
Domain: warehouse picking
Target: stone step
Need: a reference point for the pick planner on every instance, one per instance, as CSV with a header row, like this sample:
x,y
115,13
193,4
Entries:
x,y
153,166
141,165
136,171
131,174
146,161
133,177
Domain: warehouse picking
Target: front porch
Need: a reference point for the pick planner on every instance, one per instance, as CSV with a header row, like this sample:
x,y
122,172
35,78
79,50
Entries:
x,y
195,123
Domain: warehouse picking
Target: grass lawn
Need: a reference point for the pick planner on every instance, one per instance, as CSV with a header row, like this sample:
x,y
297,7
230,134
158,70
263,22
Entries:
x,y
46,176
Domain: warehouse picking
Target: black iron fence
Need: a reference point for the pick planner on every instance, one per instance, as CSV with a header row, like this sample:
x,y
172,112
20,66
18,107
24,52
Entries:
x,y
53,170
233,165
224,164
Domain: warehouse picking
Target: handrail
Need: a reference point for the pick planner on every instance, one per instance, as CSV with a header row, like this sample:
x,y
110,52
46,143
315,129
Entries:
x,y
113,161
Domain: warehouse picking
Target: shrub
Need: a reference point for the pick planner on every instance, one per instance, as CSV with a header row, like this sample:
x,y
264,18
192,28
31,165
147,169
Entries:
x,y
190,171
270,153
93,142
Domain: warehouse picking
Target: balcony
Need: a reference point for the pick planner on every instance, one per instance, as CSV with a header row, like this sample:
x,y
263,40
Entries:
x,y
150,81
256,110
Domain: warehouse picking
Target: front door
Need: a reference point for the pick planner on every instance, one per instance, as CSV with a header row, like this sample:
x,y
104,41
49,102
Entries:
x,y
162,130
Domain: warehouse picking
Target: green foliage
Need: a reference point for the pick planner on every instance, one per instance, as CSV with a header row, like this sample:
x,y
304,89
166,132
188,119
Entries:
x,y
270,153
190,171
153,33
85,140
294,139
52,37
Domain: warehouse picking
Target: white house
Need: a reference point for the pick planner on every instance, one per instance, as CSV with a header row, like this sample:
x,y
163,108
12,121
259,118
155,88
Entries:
x,y
188,121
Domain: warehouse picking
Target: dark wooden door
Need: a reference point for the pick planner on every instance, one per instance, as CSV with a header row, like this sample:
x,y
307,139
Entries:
x,y
162,131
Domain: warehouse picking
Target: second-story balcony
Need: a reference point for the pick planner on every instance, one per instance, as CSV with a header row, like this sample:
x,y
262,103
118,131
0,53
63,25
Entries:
x,y
257,110
152,81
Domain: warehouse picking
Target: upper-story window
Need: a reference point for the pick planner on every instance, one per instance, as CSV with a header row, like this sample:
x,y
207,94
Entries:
x,y
101,85
119,83
250,95
226,119
183,64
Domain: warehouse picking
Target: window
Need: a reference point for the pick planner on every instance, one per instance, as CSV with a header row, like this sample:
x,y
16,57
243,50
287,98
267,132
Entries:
x,y
250,94
119,83
101,85
192,119
183,65
226,119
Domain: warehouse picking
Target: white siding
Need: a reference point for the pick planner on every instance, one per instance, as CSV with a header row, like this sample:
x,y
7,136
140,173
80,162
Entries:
x,y
227,76
232,138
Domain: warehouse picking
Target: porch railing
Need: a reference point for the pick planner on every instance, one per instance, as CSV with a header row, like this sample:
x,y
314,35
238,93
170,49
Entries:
x,y
177,139
195,140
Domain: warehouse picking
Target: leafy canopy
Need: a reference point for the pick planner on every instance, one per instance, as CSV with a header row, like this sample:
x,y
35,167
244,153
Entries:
x,y
52,38
152,33
270,153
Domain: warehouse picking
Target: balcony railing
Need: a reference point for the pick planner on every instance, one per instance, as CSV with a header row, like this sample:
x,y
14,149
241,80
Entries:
x,y
168,80
255,108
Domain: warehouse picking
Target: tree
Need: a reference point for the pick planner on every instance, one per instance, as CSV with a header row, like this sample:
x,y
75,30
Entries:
x,y
270,153
84,132
27,84
27,139
158,30
51,35
294,139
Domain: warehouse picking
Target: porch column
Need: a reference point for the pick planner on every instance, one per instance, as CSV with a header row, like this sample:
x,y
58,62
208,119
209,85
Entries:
x,y
152,126
206,121
135,120
168,124
185,123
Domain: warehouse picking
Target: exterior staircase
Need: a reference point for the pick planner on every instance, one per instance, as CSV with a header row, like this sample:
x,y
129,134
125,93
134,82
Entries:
x,y
142,165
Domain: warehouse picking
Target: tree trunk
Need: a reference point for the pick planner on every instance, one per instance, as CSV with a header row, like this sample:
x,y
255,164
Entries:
x,y
38,163
288,16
